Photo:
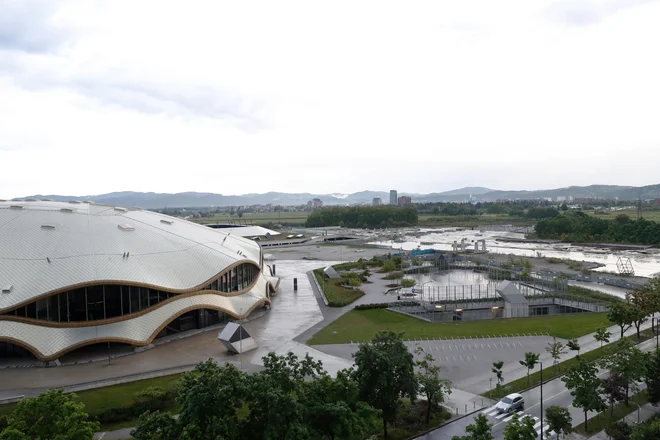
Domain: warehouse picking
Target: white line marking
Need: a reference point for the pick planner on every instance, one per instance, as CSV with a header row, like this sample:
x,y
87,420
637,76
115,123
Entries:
x,y
501,415
488,410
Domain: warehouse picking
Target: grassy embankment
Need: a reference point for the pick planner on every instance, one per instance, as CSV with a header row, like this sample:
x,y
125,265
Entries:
x,y
362,326
103,399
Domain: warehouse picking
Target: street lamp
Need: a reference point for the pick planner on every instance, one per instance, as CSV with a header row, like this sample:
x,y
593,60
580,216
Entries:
x,y
240,337
541,434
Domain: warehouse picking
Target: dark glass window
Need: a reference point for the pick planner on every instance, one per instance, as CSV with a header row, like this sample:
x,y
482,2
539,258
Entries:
x,y
21,311
153,297
53,308
112,300
95,307
77,305
135,299
125,300
42,309
144,298
162,296
234,280
64,310
31,310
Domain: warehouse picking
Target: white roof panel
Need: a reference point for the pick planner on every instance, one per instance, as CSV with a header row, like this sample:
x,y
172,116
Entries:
x,y
88,246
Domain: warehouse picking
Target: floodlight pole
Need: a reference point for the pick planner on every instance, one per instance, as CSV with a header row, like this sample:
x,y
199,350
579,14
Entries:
x,y
240,337
541,434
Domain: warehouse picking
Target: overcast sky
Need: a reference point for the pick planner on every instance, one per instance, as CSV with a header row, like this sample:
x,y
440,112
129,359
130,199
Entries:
x,y
237,97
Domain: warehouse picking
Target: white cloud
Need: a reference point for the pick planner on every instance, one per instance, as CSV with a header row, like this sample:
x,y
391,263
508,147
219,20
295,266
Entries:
x,y
238,97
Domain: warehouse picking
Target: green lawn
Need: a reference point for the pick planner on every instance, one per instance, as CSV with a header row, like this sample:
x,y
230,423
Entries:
x,y
117,396
259,218
470,221
362,325
337,296
653,216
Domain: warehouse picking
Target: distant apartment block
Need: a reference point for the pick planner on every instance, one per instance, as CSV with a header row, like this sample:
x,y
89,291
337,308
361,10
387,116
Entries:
x,y
393,197
377,201
315,203
404,200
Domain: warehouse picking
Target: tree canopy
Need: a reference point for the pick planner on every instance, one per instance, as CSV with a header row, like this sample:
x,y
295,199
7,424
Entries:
x,y
363,217
580,227
385,372
52,415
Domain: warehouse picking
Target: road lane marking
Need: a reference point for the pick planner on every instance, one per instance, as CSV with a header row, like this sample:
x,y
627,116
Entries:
x,y
501,415
488,410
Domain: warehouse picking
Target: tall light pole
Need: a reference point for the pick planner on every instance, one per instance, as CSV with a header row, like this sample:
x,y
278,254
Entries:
x,y
541,434
240,337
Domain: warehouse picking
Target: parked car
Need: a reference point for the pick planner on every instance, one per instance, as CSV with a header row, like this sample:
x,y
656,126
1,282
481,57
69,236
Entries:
x,y
512,402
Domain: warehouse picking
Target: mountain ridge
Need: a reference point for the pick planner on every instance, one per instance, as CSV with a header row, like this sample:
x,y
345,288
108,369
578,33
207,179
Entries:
x,y
190,199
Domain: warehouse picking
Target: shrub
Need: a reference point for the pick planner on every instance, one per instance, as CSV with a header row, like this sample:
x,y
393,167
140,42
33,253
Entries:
x,y
408,282
371,306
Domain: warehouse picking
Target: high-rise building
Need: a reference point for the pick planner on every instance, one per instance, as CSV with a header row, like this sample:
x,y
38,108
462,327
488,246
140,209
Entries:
x,y
393,197
377,201
404,200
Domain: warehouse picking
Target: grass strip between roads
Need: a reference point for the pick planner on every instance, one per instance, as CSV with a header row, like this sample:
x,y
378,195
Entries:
x,y
550,373
362,326
603,420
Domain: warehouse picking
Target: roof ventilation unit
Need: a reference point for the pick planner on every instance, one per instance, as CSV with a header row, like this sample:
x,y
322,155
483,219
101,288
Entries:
x,y
7,288
120,209
69,210
48,226
167,222
126,227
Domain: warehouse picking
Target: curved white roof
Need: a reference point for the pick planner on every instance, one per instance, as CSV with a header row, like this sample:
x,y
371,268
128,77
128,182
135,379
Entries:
x,y
46,246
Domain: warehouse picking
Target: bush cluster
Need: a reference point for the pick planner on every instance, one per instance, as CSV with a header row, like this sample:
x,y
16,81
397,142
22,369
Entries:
x,y
150,399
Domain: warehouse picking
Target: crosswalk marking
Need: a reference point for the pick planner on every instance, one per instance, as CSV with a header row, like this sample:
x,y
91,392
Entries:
x,y
488,410
501,415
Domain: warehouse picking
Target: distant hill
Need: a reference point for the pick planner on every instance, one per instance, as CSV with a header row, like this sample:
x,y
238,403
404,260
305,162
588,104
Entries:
x,y
152,200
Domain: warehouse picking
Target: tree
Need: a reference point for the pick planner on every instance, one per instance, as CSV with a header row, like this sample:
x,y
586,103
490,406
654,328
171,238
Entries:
x,y
638,315
564,207
529,362
573,345
602,335
618,430
434,388
51,415
332,407
614,388
621,314
518,429
582,379
385,372
559,420
649,430
388,266
480,430
497,369
556,349
652,376
628,361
